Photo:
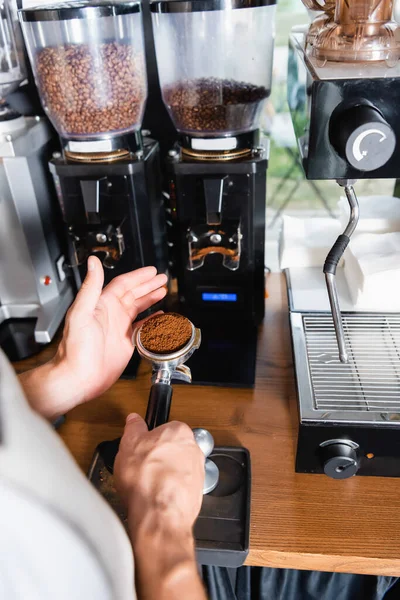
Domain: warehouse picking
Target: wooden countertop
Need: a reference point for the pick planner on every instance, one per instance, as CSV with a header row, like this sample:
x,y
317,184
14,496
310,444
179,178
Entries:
x,y
297,521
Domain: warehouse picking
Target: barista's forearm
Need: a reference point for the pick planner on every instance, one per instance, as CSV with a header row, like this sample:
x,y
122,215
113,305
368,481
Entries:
x,y
165,561
49,390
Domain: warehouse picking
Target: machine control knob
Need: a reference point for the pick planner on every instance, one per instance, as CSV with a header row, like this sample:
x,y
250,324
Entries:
x,y
362,136
101,238
205,442
340,461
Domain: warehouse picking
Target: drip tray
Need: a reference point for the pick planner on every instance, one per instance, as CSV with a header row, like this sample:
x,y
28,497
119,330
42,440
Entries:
x,y
222,528
367,388
354,405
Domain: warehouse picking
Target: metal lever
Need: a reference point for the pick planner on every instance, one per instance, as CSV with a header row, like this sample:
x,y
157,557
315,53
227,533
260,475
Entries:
x,y
205,442
90,189
213,190
332,261
182,373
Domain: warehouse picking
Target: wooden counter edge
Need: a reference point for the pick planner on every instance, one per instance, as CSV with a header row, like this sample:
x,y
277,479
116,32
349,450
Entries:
x,y
323,562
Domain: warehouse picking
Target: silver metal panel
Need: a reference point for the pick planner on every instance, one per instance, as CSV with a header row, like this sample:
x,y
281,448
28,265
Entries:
x,y
18,311
27,140
20,182
50,315
25,258
17,277
365,390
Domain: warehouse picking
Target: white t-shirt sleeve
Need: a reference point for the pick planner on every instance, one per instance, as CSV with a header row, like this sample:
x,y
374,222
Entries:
x,y
59,539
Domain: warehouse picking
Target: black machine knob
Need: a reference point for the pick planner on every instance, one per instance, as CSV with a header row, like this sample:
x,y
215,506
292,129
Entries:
x,y
340,460
363,137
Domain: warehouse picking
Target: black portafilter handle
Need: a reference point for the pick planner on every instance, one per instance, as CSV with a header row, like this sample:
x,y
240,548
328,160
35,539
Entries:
x,y
158,408
159,405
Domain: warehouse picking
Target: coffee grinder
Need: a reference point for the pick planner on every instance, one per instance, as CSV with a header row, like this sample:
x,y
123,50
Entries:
x,y
89,65
344,96
34,289
214,62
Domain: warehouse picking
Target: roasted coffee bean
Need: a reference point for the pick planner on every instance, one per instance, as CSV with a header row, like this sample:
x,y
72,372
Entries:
x,y
215,105
90,90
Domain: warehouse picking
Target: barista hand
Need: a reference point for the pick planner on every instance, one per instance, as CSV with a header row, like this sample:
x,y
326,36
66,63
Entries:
x,y
96,345
160,476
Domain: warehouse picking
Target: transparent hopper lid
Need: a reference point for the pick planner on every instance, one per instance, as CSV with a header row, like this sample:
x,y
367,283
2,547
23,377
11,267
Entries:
x,y
12,64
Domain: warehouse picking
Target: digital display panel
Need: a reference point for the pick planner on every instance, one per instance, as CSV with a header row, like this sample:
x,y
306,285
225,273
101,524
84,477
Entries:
x,y
218,297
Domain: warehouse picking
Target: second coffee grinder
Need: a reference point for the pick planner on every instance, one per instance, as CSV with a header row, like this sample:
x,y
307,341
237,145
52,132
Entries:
x,y
215,63
89,64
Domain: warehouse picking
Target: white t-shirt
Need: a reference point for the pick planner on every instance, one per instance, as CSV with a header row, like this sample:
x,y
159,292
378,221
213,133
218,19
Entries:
x,y
59,540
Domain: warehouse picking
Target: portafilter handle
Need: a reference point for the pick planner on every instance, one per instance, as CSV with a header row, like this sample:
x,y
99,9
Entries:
x,y
160,398
159,405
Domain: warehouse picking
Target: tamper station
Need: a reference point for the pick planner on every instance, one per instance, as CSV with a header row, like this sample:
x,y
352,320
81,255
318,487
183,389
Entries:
x,y
222,528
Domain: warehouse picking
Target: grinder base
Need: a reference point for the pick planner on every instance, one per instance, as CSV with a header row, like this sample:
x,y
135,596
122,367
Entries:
x,y
226,357
17,338
222,528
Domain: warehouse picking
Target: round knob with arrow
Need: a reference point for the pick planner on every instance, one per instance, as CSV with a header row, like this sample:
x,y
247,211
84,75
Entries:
x,y
339,458
363,137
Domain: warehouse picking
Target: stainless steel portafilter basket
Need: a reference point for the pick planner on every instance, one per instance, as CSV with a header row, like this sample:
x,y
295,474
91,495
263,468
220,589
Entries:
x,y
166,367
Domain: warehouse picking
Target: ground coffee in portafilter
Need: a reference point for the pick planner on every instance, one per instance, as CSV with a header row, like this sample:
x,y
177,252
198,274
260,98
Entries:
x,y
166,333
87,92
215,105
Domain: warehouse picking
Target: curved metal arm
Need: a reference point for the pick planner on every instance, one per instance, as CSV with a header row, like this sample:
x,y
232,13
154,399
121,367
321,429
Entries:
x,y
354,210
331,263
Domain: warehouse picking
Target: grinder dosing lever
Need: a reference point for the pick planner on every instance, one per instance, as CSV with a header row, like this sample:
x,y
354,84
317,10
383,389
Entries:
x,y
168,341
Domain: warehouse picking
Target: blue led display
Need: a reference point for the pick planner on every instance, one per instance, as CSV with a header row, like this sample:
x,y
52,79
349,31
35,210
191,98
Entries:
x,y
216,297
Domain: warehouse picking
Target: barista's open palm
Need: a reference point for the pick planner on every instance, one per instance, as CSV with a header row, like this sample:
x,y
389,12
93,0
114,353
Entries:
x,y
97,341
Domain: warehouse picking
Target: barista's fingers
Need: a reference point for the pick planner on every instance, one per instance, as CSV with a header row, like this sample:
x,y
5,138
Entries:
x,y
138,297
135,428
149,286
89,294
128,281
133,306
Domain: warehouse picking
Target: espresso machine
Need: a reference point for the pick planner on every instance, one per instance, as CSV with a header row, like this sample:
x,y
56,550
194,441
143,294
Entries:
x,y
344,96
35,291
89,64
215,63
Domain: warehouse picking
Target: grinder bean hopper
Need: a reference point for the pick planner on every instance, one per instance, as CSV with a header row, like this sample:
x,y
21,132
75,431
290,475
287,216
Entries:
x,y
214,62
222,528
89,64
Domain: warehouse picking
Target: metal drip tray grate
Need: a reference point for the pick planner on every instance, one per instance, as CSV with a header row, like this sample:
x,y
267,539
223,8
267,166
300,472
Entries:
x,y
371,379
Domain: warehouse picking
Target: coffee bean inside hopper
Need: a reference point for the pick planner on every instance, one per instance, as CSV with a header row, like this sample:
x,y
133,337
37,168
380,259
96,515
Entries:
x,y
215,105
90,90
